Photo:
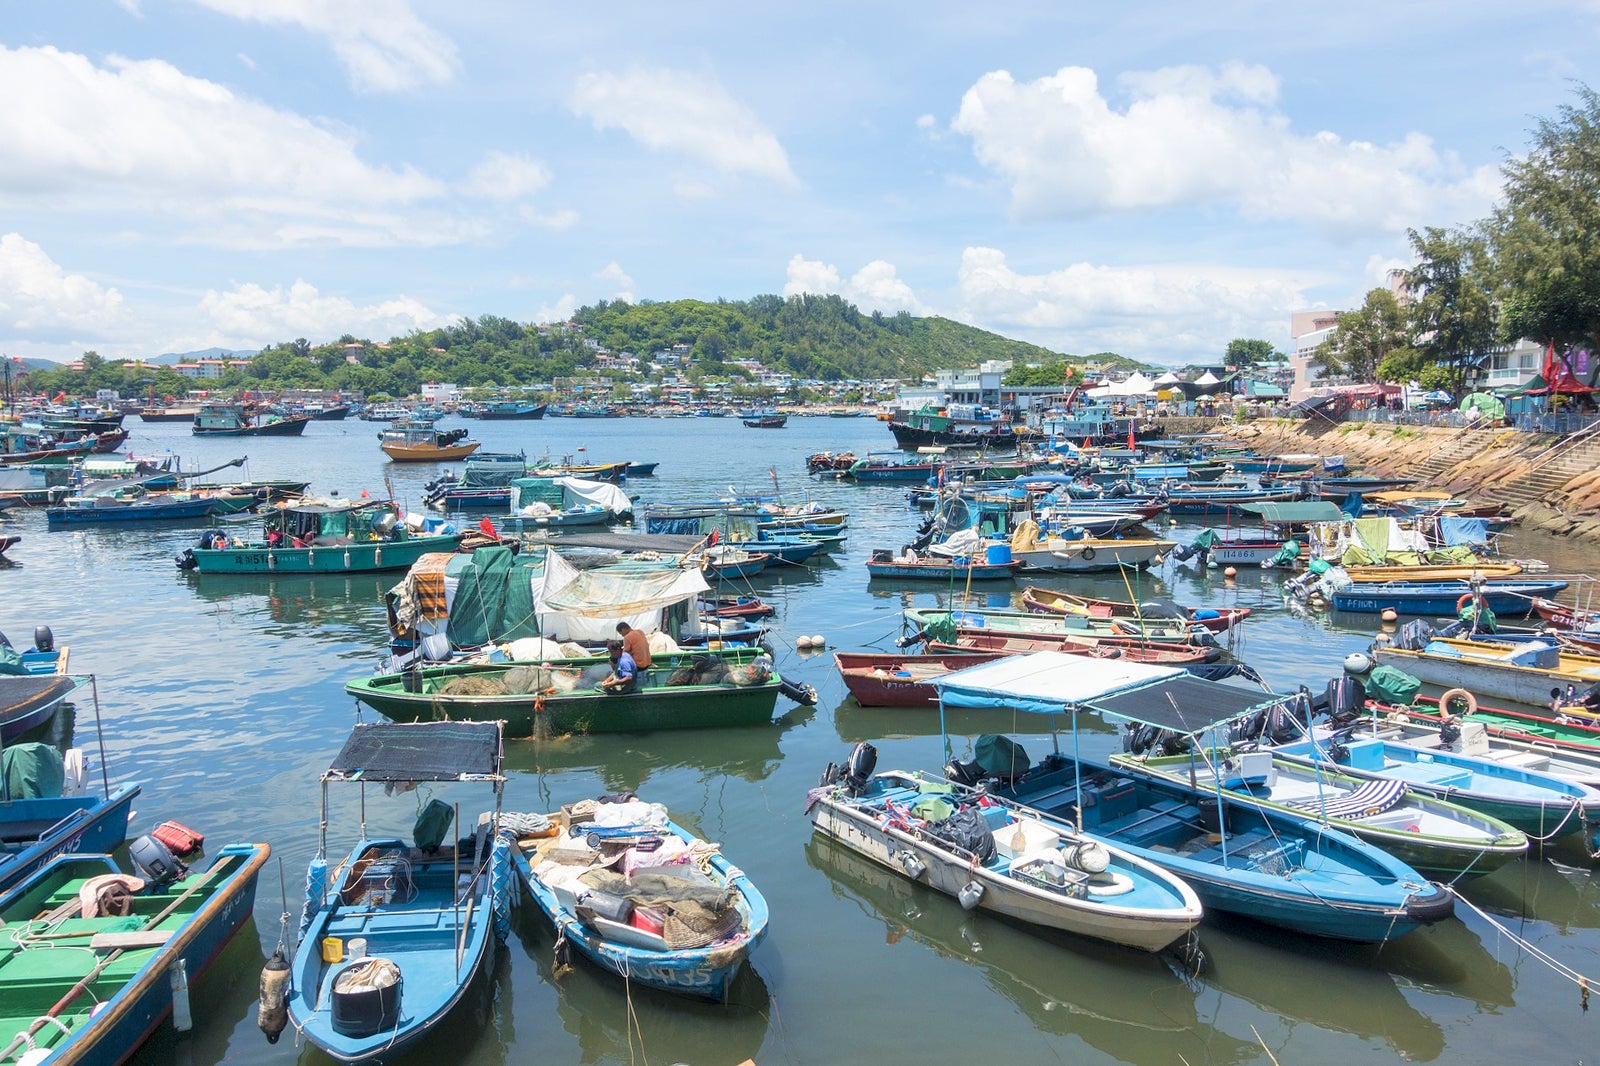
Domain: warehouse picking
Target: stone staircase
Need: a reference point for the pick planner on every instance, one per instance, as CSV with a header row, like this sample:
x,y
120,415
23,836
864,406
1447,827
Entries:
x,y
1542,485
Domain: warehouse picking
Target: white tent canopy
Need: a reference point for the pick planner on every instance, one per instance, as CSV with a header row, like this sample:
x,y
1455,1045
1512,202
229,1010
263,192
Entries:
x,y
1169,378
1208,378
1136,385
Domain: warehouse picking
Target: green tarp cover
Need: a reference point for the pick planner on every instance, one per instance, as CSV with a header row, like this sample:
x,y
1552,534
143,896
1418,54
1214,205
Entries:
x,y
1390,685
11,661
31,771
494,598
1304,511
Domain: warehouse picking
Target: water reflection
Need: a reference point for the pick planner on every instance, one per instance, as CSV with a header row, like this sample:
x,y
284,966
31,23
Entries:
x,y
625,762
331,608
612,1021
1126,1004
1552,890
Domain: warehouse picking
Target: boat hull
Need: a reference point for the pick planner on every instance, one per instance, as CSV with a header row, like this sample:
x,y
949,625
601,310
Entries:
x,y
332,559
1509,600
428,453
942,571
900,680
74,823
157,511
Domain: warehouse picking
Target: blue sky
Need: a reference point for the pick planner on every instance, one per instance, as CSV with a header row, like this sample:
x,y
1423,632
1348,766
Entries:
x,y
1153,179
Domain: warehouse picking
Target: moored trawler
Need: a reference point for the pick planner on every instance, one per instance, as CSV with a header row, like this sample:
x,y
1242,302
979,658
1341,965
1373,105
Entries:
x,y
246,420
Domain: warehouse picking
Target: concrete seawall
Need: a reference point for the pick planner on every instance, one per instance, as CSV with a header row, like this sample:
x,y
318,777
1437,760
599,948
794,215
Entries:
x,y
1547,483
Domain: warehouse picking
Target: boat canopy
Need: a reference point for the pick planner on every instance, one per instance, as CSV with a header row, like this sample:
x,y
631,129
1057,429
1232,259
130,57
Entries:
x,y
588,604
419,751
1049,682
1045,682
1286,513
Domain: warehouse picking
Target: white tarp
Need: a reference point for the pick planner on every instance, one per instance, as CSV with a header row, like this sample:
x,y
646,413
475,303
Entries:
x,y
602,493
1136,385
1045,681
575,604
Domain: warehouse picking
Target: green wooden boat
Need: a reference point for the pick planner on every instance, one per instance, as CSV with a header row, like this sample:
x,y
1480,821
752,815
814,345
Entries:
x,y
347,537
655,704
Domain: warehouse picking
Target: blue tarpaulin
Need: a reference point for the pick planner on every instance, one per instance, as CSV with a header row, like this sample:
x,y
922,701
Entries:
x,y
1459,531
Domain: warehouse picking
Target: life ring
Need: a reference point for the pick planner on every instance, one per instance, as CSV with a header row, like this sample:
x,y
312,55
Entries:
x,y
1087,554
1466,598
1110,883
1471,700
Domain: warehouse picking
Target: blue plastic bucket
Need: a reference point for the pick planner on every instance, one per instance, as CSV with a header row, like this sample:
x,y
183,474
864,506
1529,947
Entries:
x,y
998,554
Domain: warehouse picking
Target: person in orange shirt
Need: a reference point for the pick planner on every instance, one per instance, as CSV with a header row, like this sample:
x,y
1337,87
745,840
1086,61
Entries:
x,y
635,643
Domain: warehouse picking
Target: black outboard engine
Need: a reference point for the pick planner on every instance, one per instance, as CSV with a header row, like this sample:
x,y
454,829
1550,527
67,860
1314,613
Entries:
x,y
43,639
967,773
155,863
858,769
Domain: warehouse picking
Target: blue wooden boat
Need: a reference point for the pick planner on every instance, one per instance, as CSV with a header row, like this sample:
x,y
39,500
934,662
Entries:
x,y
725,563
393,938
642,469
115,510
645,938
92,989
512,409
1512,599
1259,863
60,810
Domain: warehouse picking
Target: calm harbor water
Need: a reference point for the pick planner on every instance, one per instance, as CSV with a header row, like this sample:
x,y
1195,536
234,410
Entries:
x,y
224,697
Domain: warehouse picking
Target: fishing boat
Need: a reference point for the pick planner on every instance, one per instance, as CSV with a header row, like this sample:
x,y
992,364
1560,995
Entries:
x,y
97,959
318,537
587,471
1529,672
132,504
1431,835
1539,804
1473,573
724,562
640,896
1050,601
734,607
1555,746
246,420
974,641
1239,858
1560,616
959,568
1165,631
484,484
709,689
563,502
888,680
767,421
48,805
391,940
512,409
422,443
168,414
994,857
1508,598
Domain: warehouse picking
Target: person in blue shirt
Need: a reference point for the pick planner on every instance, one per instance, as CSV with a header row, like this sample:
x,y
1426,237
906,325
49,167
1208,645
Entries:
x,y
623,669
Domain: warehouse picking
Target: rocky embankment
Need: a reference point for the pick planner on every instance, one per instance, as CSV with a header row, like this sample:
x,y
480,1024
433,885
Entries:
x,y
1547,483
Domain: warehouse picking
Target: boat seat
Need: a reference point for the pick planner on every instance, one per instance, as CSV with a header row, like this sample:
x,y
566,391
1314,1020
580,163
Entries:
x,y
1434,774
1523,760
1050,799
1373,796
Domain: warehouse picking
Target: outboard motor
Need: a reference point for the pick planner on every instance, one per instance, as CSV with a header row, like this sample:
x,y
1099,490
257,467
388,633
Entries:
x,y
858,769
43,639
155,862
187,560
963,773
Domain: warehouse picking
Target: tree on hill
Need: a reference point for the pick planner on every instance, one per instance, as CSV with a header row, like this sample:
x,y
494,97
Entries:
x,y
1244,354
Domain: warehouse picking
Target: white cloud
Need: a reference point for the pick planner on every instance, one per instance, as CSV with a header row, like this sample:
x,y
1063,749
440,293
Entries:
x,y
676,111
504,176
1169,314
249,314
383,45
875,287
621,284
36,294
134,136
1195,137
560,311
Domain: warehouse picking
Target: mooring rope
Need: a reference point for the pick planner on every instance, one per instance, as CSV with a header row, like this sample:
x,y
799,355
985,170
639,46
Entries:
x,y
1560,968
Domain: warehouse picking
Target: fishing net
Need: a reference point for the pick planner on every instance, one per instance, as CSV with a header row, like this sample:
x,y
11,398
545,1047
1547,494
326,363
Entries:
x,y
472,685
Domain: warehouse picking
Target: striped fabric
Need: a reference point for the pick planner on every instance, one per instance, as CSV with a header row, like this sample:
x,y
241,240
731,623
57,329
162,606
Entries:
x,y
1372,797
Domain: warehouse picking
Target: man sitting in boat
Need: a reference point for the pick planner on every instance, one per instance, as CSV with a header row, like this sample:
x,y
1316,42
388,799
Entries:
x,y
636,644
624,671
908,554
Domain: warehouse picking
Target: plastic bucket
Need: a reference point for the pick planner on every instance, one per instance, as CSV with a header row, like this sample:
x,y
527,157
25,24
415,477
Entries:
x,y
332,949
998,554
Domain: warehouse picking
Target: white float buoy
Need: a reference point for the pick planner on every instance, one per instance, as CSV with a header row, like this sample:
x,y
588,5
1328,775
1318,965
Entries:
x,y
1230,572
802,642
819,641
1389,614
